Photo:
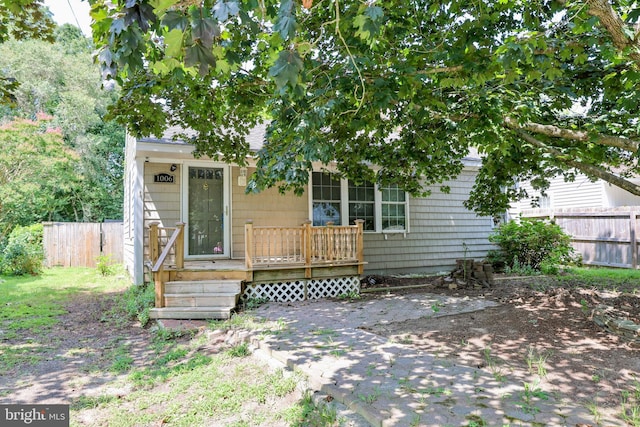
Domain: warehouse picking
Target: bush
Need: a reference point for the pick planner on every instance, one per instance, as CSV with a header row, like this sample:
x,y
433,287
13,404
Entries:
x,y
532,243
23,253
138,300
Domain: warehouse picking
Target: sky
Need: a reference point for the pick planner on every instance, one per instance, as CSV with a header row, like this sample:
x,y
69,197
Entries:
x,y
63,12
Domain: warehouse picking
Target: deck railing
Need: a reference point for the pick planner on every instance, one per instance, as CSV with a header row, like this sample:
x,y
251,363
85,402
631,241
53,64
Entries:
x,y
164,243
305,245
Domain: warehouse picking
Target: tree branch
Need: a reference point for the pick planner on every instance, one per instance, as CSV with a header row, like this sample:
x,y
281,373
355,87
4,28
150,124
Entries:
x,y
587,169
558,132
613,23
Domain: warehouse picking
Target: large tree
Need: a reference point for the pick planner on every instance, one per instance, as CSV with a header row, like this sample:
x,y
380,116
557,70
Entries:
x,y
537,87
60,80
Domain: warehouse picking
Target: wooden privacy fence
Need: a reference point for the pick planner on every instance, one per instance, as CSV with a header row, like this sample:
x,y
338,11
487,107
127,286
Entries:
x,y
604,237
79,244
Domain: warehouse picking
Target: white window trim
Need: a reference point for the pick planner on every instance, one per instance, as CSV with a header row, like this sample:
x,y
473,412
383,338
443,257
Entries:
x,y
344,206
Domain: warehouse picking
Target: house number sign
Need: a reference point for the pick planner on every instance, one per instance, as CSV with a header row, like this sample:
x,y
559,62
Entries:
x,y
164,178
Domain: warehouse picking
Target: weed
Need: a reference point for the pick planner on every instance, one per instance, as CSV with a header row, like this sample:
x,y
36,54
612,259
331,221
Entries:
x,y
532,391
240,350
584,306
309,413
536,361
594,409
492,364
104,265
415,421
372,397
351,295
253,303
435,307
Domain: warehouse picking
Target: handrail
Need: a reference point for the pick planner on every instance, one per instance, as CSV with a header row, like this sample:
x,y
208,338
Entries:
x,y
307,246
165,252
177,240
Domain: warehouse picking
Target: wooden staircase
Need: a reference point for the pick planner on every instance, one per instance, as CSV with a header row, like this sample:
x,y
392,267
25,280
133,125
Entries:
x,y
198,299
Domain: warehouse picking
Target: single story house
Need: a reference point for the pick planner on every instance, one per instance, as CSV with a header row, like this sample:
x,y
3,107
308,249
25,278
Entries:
x,y
274,246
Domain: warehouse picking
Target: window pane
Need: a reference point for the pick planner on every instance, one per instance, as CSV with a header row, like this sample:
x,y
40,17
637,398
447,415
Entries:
x,y
326,212
393,209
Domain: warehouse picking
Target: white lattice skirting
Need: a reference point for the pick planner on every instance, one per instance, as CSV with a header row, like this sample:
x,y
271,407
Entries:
x,y
299,290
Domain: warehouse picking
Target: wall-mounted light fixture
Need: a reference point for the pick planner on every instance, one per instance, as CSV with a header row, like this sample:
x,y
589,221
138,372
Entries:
x,y
173,167
242,177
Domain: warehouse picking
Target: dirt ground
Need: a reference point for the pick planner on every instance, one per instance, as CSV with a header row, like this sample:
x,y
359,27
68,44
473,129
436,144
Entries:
x,y
538,325
538,320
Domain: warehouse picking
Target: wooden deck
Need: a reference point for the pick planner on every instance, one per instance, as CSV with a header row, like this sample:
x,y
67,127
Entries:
x,y
281,264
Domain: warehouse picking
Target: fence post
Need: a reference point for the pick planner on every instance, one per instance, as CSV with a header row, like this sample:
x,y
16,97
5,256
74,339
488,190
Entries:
x,y
306,233
633,238
360,245
180,246
154,251
248,244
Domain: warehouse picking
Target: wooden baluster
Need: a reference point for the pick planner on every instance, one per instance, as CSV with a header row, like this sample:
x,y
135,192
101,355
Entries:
x,y
360,245
180,246
154,250
249,251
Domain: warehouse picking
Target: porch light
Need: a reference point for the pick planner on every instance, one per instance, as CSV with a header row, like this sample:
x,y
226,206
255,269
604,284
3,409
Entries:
x,y
242,177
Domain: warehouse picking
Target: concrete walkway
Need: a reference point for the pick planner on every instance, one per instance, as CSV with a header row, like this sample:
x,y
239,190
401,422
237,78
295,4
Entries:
x,y
391,384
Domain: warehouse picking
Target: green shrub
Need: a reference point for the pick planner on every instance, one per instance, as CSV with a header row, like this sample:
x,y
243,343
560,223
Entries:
x,y
23,253
532,243
138,300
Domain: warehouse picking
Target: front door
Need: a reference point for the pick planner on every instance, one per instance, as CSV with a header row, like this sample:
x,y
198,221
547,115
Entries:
x,y
206,222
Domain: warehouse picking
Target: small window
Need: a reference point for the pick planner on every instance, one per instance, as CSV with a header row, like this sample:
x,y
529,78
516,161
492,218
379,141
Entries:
x,y
362,204
394,212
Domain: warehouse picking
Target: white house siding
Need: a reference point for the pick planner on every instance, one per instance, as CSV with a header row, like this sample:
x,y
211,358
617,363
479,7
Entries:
x,y
129,237
441,230
616,197
161,200
576,194
267,208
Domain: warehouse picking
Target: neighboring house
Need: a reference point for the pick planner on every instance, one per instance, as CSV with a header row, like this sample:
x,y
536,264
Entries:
x,y
580,193
165,185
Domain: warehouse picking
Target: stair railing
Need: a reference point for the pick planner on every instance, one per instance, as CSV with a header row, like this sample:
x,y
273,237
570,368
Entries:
x,y
175,244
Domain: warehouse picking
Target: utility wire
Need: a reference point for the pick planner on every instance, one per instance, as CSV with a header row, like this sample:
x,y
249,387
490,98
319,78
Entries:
x,y
73,12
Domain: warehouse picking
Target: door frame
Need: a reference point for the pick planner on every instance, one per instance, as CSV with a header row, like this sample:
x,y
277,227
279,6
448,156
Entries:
x,y
226,233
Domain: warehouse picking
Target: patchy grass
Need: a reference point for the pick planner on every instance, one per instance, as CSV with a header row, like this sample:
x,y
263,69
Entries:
x,y
601,278
32,305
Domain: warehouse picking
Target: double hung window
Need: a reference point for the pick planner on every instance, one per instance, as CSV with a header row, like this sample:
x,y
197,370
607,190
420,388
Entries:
x,y
341,202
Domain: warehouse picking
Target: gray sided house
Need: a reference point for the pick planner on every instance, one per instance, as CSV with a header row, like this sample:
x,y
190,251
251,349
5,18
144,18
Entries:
x,y
190,227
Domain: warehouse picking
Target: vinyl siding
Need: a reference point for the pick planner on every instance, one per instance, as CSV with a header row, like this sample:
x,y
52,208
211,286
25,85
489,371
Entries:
x,y
616,197
577,194
129,237
441,230
267,208
161,200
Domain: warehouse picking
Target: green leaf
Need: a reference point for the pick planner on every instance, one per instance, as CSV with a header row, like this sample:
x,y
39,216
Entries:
x,y
286,69
201,56
159,6
175,20
204,30
224,9
286,23
173,41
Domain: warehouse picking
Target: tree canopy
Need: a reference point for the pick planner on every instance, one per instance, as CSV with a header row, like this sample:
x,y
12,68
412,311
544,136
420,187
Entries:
x,y
537,87
59,82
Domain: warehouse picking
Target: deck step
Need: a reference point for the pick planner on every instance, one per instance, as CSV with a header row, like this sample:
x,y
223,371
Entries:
x,y
201,299
190,313
203,286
